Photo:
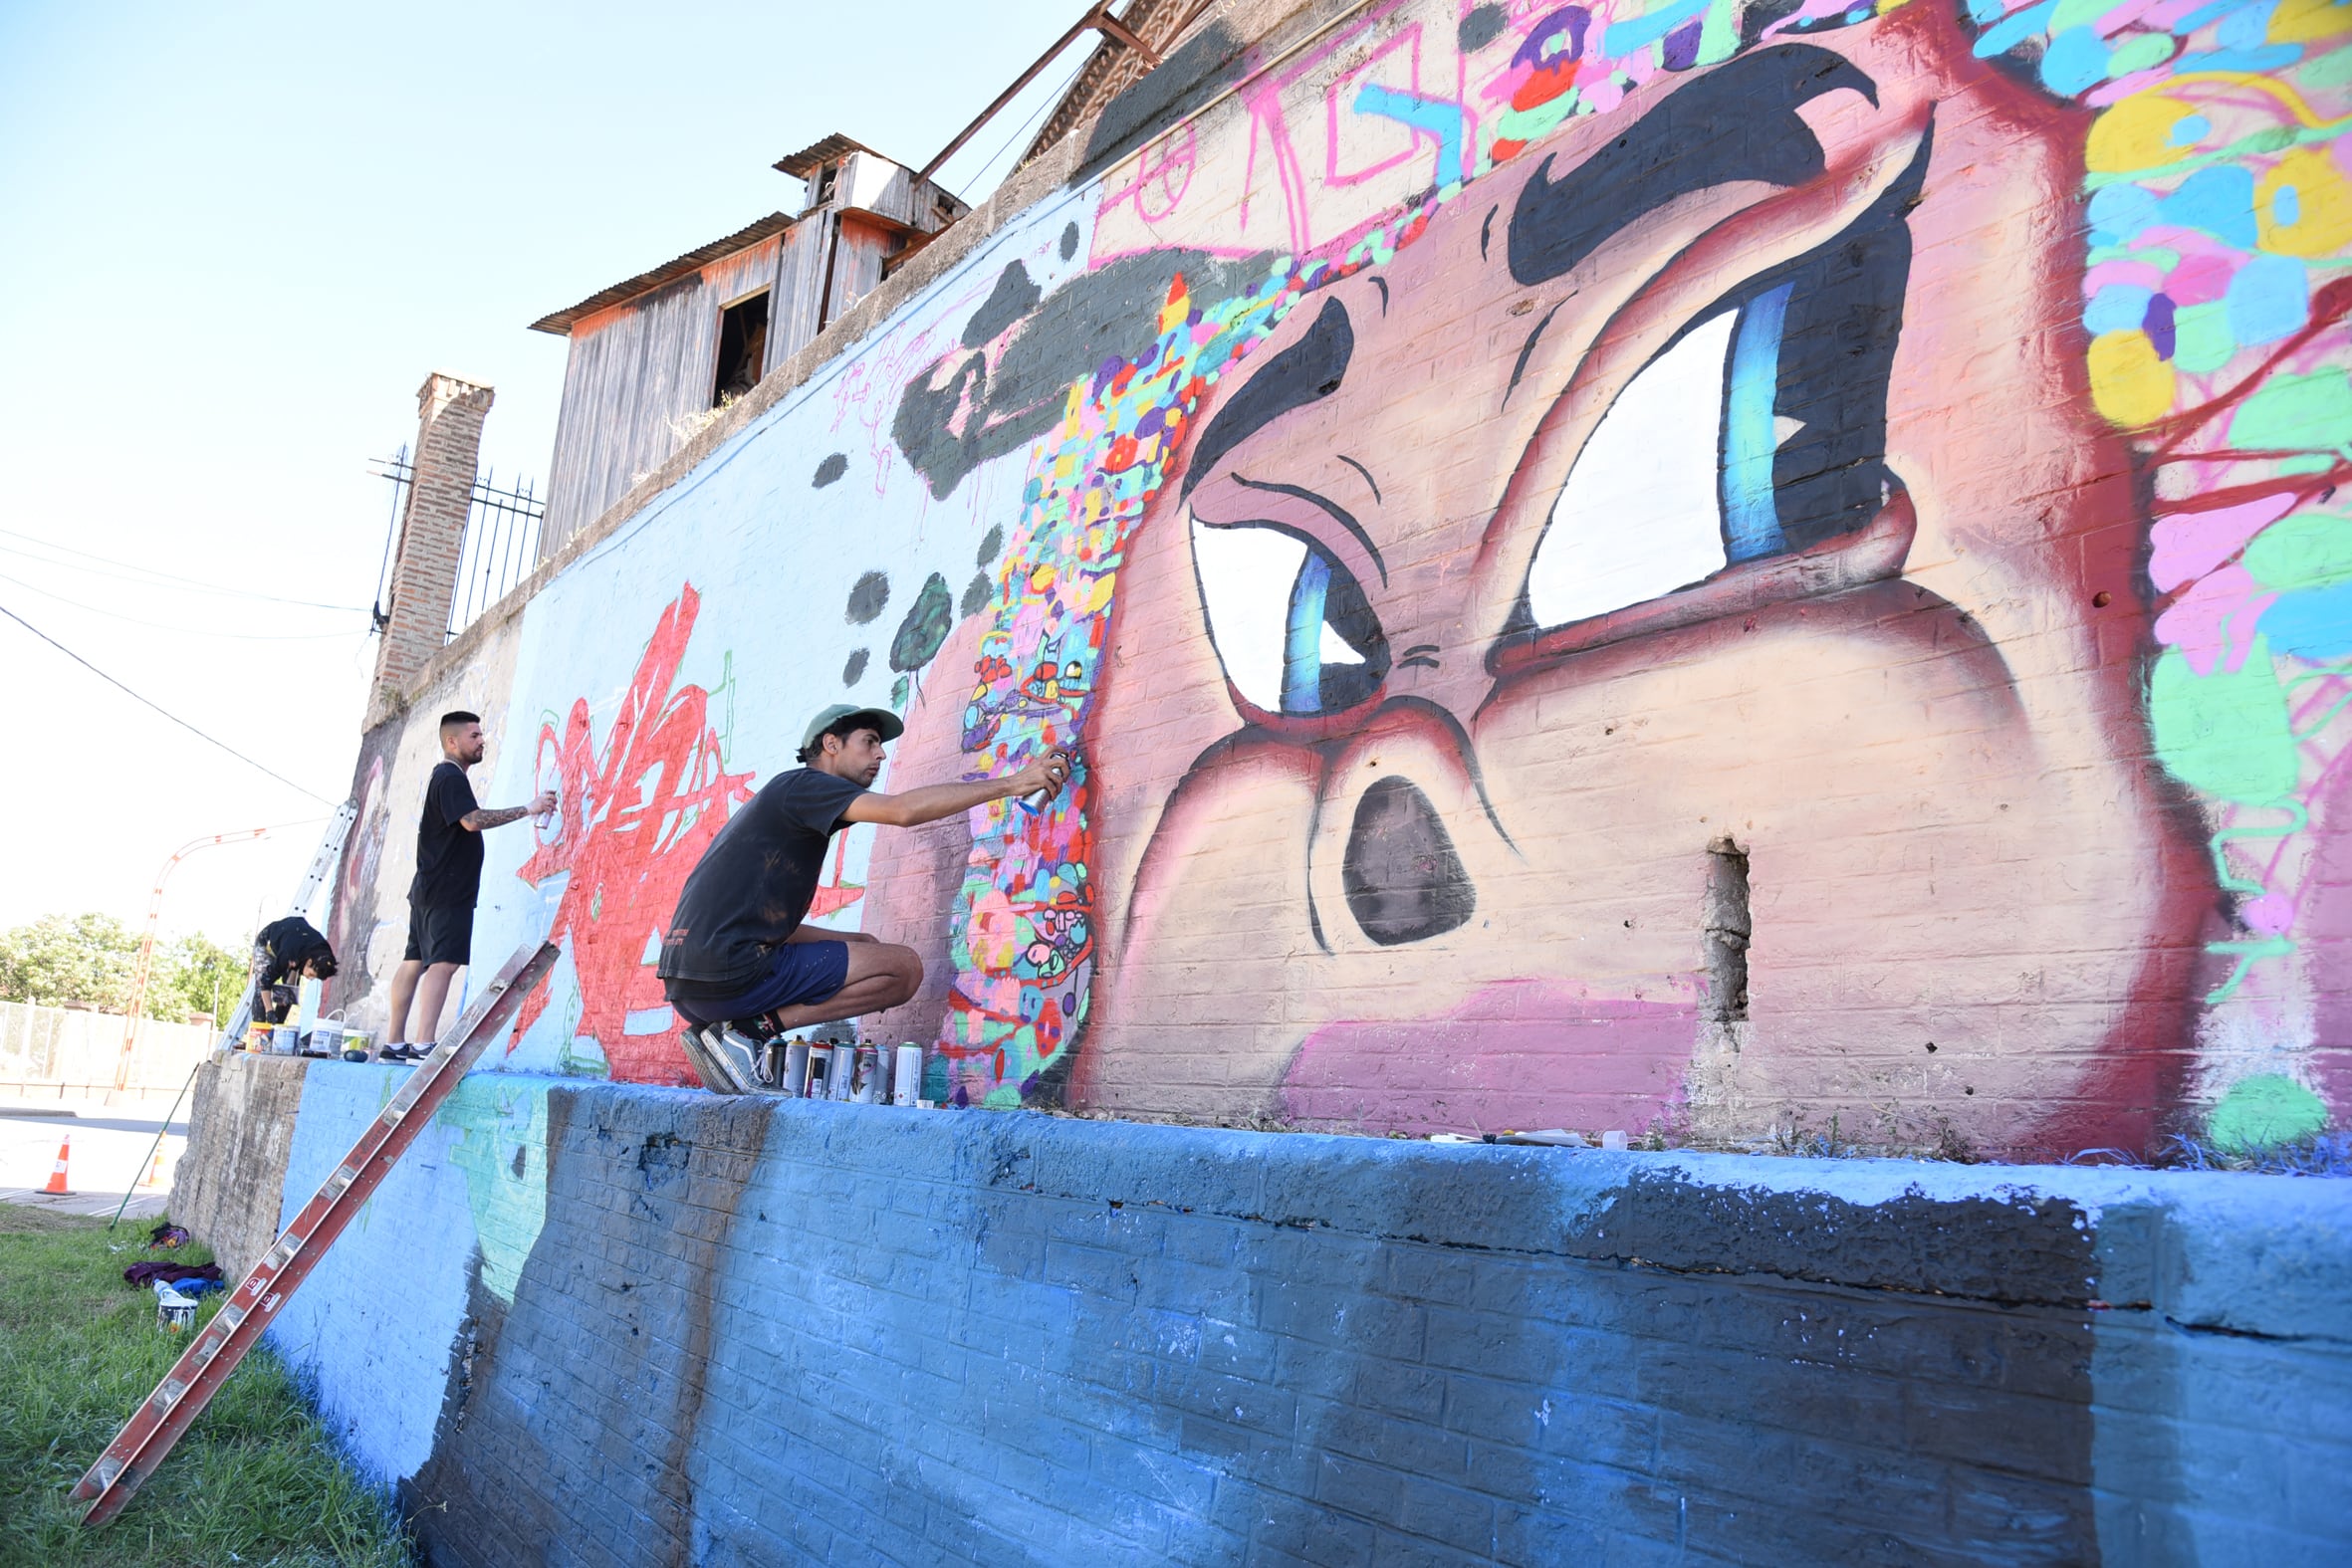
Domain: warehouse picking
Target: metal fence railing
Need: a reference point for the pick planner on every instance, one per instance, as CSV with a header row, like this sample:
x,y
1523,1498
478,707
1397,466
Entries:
x,y
501,540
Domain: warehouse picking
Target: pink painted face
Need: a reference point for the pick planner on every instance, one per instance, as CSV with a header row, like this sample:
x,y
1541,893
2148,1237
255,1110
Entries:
x,y
1710,492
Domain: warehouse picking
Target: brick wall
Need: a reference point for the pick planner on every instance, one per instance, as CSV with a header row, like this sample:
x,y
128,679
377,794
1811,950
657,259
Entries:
x,y
450,412
625,1325
1789,435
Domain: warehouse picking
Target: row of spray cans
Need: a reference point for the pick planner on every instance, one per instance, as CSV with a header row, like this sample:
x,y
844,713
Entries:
x,y
847,1072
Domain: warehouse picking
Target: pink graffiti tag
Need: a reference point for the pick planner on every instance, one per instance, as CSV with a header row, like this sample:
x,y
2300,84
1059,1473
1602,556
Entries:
x,y
635,823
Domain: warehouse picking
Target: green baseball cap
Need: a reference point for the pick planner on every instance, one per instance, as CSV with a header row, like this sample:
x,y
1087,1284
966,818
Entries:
x,y
884,722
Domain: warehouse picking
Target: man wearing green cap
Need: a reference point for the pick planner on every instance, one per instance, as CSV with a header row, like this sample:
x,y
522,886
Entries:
x,y
736,948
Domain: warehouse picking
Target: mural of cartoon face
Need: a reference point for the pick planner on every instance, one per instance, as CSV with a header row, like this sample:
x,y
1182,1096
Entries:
x,y
1625,525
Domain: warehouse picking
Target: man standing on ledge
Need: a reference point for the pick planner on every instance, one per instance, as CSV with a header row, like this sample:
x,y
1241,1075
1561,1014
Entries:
x,y
736,948
448,880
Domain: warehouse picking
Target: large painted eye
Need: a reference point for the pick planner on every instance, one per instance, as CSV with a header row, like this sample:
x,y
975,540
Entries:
x,y
1638,515
1758,431
1290,624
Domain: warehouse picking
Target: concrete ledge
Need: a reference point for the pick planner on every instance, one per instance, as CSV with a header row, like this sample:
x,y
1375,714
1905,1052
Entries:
x,y
240,1133
619,1324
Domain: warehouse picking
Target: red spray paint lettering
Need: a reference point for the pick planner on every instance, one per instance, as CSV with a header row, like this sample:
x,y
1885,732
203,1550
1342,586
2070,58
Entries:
x,y
636,820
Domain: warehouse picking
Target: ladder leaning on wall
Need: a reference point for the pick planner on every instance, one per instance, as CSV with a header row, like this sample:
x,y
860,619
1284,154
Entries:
x,y
206,1364
322,863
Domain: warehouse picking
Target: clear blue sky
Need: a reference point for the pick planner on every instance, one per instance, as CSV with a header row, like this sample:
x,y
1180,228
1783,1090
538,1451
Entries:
x,y
236,238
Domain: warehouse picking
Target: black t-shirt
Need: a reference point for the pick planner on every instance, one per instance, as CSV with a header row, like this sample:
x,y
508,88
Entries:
x,y
752,887
448,857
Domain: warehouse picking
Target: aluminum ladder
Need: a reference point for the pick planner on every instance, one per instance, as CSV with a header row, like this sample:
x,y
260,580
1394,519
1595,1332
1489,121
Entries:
x,y
206,1364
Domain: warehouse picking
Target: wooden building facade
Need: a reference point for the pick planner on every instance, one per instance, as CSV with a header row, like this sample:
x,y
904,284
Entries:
x,y
653,354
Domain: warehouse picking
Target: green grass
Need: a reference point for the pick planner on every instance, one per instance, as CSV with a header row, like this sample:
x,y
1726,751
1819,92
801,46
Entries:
x,y
253,1483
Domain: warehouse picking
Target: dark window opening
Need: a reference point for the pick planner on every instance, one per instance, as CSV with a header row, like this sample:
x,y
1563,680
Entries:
x,y
743,347
1728,930
825,185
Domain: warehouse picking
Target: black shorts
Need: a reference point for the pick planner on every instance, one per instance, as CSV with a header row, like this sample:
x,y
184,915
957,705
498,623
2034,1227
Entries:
x,y
440,934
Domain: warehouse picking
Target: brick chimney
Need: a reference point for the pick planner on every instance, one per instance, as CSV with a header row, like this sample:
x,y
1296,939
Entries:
x,y
432,527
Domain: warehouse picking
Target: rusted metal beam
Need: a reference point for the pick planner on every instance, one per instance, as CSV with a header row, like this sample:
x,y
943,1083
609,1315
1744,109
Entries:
x,y
1111,27
1099,20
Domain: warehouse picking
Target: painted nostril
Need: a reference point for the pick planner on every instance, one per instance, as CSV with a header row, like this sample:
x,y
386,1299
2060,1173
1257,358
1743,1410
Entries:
x,y
1403,880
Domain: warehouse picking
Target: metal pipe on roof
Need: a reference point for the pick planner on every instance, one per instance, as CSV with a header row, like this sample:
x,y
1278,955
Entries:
x,y
1098,18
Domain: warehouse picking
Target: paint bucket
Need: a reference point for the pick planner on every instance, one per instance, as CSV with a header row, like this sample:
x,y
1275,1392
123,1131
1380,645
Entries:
x,y
175,1313
285,1040
796,1068
907,1081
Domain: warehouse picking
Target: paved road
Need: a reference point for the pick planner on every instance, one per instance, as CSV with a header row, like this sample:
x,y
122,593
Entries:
x,y
109,1152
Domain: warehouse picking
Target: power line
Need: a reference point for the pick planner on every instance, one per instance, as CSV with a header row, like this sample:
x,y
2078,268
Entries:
x,y
160,579
169,713
188,631
1051,97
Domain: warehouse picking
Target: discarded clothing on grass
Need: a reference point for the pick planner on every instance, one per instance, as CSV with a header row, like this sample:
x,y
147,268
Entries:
x,y
167,1234
177,1275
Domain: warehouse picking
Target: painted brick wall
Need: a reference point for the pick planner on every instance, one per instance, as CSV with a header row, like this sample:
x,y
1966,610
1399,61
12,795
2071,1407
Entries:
x,y
449,415
1456,472
626,1325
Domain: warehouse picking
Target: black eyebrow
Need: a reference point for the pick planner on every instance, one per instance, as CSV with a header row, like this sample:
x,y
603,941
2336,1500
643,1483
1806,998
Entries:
x,y
1339,515
1735,122
1307,372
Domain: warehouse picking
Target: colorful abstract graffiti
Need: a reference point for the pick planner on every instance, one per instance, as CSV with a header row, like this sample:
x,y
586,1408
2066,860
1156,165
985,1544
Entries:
x,y
1497,464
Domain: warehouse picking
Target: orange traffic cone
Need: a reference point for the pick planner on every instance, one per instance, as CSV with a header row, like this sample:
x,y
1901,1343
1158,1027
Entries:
x,y
57,1175
155,1172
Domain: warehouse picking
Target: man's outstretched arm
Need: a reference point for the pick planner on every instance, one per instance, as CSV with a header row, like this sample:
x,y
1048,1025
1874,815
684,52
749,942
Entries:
x,y
933,801
485,816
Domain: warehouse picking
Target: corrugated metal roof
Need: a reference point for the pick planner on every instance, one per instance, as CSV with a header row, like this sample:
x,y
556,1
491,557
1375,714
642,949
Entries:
x,y
560,322
816,155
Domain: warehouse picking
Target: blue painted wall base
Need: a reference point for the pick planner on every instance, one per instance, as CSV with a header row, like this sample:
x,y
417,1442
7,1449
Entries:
x,y
624,1326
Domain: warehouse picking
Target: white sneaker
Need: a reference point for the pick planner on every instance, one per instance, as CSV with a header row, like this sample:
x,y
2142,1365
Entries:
x,y
712,1071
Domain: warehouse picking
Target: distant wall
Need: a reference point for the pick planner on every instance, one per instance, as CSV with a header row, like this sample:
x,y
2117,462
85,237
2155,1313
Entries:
x,y
1709,568
66,1051
625,1325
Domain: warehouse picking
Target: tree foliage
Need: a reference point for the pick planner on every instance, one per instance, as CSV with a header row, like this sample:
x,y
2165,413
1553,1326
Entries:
x,y
89,958
60,959
198,975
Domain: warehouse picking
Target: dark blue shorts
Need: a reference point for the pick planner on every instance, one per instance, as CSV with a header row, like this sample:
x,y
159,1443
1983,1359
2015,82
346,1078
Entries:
x,y
798,973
